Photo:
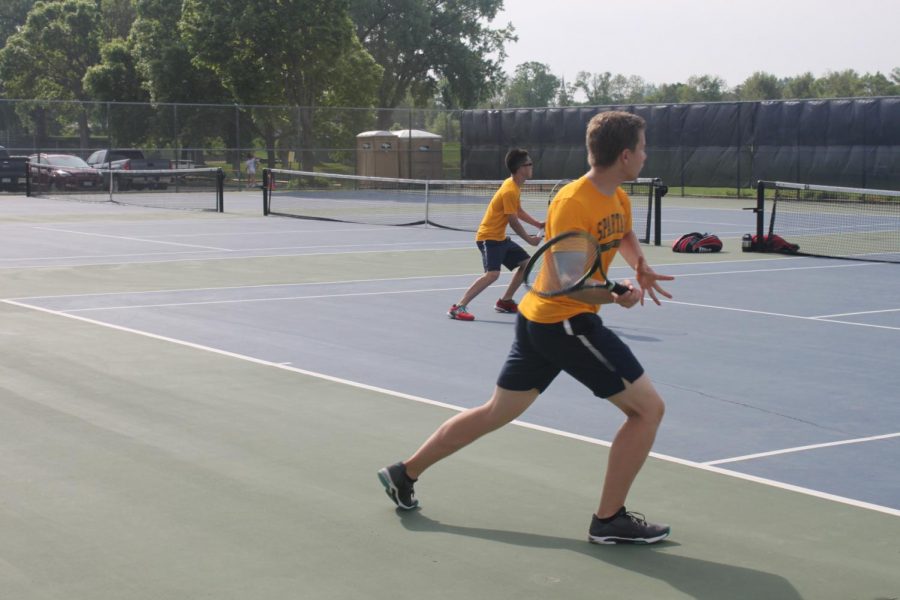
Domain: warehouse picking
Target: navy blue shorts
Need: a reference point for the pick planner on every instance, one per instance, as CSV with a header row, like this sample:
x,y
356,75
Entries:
x,y
495,253
581,346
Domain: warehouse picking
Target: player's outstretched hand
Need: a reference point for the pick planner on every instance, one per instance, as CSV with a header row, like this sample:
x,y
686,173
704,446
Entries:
x,y
649,280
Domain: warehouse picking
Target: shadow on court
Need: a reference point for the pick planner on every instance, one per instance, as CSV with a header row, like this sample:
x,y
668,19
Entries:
x,y
701,579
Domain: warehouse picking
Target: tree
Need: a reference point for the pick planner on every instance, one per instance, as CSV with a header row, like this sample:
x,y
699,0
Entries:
x,y
564,94
12,16
839,84
420,43
169,74
299,52
163,59
703,88
117,17
879,85
532,85
48,57
596,87
799,87
115,79
760,86
667,93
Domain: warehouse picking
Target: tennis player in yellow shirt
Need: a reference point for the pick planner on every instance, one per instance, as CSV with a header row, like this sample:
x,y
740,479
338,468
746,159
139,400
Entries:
x,y
496,248
566,334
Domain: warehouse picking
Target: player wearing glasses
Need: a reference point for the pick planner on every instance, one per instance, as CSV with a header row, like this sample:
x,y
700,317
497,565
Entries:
x,y
496,248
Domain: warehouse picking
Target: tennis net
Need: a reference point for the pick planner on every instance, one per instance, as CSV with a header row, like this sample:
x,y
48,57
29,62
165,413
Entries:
x,y
449,204
188,189
833,222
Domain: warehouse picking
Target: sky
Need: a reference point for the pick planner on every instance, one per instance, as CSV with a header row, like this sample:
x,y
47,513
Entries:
x,y
668,41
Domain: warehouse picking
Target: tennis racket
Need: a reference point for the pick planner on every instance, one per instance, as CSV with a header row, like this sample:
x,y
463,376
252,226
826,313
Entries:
x,y
566,263
556,187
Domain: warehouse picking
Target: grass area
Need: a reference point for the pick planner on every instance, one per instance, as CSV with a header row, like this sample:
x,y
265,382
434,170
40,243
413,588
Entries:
x,y
712,192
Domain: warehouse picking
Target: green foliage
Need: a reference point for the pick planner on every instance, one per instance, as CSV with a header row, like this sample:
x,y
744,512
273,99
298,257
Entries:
x,y
297,52
606,88
48,57
118,15
12,16
163,60
432,47
532,85
115,79
760,86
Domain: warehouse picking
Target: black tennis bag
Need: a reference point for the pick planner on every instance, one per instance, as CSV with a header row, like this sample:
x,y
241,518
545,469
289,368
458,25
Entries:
x,y
697,242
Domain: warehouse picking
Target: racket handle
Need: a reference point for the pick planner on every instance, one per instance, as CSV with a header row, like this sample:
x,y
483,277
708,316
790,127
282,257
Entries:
x,y
619,289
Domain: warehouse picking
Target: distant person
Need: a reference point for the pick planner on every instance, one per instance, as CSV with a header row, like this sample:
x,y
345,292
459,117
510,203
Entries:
x,y
251,163
496,248
565,333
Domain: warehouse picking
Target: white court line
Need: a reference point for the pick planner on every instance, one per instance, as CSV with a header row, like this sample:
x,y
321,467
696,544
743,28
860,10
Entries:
x,y
130,239
276,299
862,312
426,290
234,255
260,286
270,232
232,250
774,314
801,449
391,279
420,399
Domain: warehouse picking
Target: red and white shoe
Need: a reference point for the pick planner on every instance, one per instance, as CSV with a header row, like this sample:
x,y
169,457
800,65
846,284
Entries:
x,y
460,313
506,306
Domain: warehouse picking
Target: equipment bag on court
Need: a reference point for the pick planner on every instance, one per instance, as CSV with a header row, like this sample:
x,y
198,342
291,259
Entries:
x,y
774,243
697,242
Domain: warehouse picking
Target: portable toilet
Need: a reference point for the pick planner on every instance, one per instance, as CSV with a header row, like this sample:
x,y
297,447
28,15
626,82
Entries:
x,y
421,154
377,155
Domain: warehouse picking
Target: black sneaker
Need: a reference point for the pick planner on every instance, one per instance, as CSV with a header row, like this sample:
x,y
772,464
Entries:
x,y
626,528
398,486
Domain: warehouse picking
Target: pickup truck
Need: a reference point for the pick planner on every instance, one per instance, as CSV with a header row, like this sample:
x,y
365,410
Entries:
x,y
13,171
131,159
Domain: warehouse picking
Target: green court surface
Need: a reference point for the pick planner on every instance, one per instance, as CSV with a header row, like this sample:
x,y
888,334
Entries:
x,y
135,467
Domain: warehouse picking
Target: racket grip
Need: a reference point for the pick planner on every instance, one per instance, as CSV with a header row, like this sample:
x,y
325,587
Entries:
x,y
619,289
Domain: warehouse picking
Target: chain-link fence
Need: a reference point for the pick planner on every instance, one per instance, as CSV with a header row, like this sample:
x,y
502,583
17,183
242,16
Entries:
x,y
188,135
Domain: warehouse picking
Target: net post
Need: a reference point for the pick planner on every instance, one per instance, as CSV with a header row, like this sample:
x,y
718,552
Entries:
x,y
661,190
220,190
650,191
266,174
427,202
28,179
760,208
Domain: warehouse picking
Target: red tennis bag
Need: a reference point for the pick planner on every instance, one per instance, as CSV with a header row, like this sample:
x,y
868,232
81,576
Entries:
x,y
697,242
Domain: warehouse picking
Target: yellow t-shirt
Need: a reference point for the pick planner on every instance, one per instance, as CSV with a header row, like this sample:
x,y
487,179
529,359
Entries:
x,y
505,202
580,205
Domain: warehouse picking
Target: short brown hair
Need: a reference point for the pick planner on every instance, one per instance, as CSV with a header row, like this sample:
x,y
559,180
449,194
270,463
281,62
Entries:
x,y
515,158
609,134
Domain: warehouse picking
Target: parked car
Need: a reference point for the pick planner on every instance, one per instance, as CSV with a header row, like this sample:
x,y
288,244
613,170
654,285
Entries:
x,y
131,159
13,171
63,172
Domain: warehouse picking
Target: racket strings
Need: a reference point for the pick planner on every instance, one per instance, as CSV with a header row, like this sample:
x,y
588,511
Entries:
x,y
564,265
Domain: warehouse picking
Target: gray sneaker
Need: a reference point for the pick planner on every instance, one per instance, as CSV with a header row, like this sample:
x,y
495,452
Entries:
x,y
626,528
398,486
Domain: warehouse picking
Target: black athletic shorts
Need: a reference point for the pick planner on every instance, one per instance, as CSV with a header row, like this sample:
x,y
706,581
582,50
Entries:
x,y
495,253
581,346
